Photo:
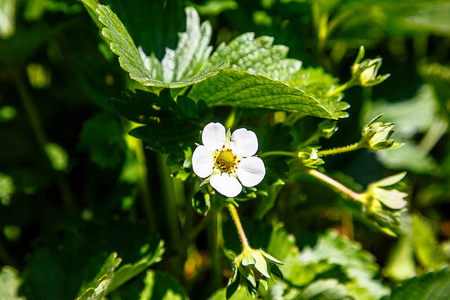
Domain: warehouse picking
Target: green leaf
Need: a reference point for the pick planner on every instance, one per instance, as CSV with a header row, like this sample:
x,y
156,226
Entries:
x,y
178,68
409,157
9,284
426,246
129,271
95,288
260,57
240,294
103,137
160,285
214,7
401,265
167,136
327,288
201,202
430,286
358,264
318,84
438,76
242,89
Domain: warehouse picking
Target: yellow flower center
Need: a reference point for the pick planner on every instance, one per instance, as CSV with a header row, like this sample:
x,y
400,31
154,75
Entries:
x,y
225,161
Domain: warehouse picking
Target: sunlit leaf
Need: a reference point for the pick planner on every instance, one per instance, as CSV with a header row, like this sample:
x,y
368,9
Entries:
x,y
178,68
242,89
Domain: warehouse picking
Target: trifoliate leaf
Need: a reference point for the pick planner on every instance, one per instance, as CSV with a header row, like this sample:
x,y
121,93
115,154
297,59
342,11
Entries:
x,y
178,68
242,89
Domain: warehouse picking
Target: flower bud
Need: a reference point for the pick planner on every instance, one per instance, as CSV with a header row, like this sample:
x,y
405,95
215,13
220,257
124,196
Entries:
x,y
376,135
364,73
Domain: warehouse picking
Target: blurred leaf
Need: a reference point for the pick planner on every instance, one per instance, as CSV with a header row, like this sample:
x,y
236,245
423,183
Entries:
x,y
7,18
160,285
242,89
103,137
9,284
240,294
26,41
411,116
215,7
35,9
178,68
401,265
58,156
7,188
201,202
95,288
409,157
430,286
438,76
326,289
426,246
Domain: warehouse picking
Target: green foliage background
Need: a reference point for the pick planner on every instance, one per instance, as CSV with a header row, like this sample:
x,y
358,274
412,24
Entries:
x,y
101,106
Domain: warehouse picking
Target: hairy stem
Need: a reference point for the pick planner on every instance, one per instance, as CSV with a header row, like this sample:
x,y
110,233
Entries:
x,y
337,185
237,221
280,153
345,149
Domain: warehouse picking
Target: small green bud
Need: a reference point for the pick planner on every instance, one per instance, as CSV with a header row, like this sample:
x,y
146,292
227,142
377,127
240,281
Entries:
x,y
250,269
309,157
376,135
364,73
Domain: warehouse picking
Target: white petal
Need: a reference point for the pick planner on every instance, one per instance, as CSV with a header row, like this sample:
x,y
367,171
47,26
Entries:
x,y
244,142
226,184
251,171
213,136
202,162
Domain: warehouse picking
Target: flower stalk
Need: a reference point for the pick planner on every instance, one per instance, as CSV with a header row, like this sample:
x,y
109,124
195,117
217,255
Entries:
x,y
237,221
337,185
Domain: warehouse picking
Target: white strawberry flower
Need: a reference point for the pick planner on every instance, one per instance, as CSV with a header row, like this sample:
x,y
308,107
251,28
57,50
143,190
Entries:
x,y
227,160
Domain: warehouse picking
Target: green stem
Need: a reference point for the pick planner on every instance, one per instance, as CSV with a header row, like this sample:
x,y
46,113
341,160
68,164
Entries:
x,y
340,89
280,153
345,149
137,147
310,139
235,216
36,124
170,202
337,185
